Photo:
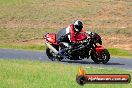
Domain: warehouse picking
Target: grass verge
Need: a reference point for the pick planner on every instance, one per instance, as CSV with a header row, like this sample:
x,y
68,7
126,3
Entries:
x,y
116,52
24,47
35,74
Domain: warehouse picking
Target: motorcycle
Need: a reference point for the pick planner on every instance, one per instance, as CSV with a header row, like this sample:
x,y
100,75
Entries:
x,y
86,45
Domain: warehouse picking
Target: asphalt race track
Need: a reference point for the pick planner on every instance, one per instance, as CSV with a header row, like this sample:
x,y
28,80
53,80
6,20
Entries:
x,y
121,63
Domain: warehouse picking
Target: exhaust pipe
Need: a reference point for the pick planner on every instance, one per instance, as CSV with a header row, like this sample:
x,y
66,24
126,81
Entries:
x,y
52,48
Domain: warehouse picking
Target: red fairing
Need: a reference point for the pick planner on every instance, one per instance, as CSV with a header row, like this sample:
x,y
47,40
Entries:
x,y
99,48
80,37
51,38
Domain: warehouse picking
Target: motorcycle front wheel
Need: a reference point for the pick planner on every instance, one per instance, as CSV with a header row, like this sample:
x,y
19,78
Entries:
x,y
105,56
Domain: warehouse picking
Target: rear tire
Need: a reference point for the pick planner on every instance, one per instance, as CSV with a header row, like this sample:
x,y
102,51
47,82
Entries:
x,y
51,55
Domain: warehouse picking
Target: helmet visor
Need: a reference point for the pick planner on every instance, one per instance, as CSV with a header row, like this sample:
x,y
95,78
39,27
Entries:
x,y
78,27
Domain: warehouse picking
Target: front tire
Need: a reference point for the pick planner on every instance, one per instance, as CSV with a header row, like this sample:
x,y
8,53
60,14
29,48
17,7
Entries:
x,y
105,56
94,57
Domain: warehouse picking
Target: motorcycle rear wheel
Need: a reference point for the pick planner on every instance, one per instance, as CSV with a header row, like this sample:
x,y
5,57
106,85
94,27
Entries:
x,y
51,55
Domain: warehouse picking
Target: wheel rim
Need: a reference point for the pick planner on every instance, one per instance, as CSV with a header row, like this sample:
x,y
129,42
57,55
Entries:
x,y
105,57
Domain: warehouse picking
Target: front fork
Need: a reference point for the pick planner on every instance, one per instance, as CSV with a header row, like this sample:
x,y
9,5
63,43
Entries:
x,y
97,49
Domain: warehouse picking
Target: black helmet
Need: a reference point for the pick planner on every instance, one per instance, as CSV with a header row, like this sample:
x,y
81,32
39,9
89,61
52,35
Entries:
x,y
78,25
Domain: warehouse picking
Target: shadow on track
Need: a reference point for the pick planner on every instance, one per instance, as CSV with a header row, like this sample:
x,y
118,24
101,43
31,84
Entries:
x,y
86,62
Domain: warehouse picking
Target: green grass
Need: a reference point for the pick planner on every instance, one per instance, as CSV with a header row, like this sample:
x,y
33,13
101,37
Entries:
x,y
25,47
35,74
120,52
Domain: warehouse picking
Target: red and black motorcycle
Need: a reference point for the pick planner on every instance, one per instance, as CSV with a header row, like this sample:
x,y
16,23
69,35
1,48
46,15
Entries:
x,y
87,45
